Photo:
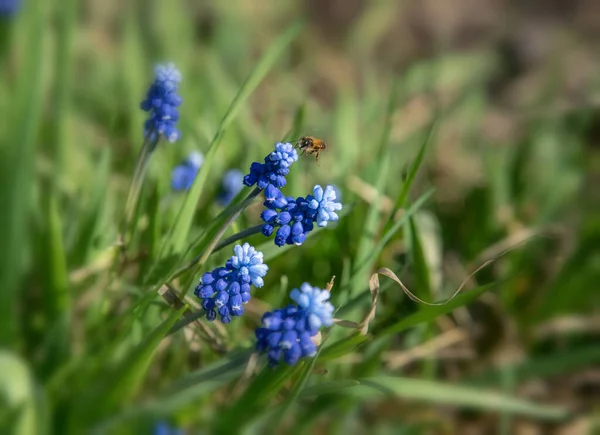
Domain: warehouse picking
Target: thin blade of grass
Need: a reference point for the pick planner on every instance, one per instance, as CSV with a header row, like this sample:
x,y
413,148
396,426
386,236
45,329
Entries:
x,y
442,393
414,167
57,299
181,227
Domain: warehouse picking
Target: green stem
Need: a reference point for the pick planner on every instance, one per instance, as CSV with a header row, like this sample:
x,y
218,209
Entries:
x,y
138,177
213,243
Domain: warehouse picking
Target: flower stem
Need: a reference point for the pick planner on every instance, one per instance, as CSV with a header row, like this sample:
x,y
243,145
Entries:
x,y
233,216
138,177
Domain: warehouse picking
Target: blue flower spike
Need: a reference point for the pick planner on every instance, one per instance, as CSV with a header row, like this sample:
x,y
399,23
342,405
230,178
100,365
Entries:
x,y
231,184
161,103
184,174
274,169
290,333
8,8
294,218
225,290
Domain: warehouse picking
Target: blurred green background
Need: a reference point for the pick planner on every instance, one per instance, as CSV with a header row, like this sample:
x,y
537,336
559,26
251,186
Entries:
x,y
455,129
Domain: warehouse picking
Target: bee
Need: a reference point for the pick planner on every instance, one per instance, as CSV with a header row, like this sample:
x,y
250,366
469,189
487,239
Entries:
x,y
310,145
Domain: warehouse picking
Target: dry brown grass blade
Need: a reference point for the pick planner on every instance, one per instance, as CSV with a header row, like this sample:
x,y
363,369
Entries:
x,y
363,326
374,281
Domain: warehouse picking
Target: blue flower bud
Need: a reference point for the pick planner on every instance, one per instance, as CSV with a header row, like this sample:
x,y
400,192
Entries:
x,y
268,215
288,338
267,230
221,298
282,234
292,355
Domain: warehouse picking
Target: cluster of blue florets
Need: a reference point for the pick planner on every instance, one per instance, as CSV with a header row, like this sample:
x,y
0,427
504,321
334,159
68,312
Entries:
x,y
295,217
226,289
288,332
184,174
274,169
161,102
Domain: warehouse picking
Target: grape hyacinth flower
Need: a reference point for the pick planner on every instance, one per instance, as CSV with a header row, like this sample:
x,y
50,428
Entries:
x,y
9,7
295,217
161,102
184,174
164,428
288,332
231,184
274,169
226,289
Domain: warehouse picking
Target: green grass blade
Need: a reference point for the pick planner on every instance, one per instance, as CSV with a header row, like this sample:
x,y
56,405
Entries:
x,y
55,285
555,364
124,379
328,388
343,346
181,227
65,28
372,255
414,168
17,163
369,232
455,395
419,263
89,227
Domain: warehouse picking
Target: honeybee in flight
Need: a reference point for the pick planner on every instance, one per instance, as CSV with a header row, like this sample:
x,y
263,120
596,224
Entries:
x,y
310,145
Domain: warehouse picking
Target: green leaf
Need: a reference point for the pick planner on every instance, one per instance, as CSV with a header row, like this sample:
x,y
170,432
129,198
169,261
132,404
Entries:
x,y
448,394
343,346
90,222
123,380
184,391
230,365
420,266
328,388
366,244
414,168
555,364
17,162
372,255
262,388
181,227
55,284
61,98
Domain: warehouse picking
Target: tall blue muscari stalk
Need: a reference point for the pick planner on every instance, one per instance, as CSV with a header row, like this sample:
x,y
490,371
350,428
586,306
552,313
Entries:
x,y
226,289
295,217
288,333
184,174
161,103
